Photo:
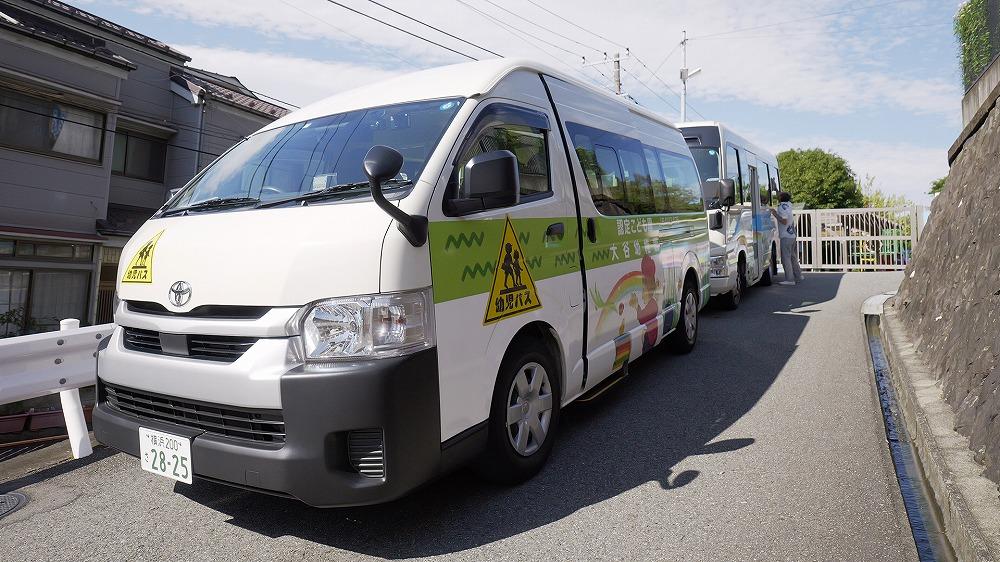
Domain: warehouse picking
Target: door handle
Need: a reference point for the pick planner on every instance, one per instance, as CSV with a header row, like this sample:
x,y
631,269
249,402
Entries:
x,y
557,230
591,229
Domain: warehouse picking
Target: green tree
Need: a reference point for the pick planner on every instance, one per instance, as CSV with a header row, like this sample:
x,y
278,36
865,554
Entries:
x,y
973,34
937,185
820,179
875,198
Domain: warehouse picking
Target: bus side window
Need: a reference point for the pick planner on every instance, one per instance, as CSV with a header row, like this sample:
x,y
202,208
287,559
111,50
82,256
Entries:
x,y
683,183
638,188
763,184
528,145
659,186
775,186
733,170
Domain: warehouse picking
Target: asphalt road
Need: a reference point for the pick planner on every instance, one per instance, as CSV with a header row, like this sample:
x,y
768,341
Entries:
x,y
766,443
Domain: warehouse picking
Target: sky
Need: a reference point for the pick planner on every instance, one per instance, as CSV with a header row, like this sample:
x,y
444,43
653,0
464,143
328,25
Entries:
x,y
875,81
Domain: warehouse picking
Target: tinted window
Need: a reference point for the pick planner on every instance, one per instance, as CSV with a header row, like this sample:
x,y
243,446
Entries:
x,y
733,169
763,185
529,146
706,158
683,182
775,186
659,184
747,162
638,188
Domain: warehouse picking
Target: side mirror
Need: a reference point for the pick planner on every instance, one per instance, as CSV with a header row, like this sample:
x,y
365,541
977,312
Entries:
x,y
727,192
383,163
490,181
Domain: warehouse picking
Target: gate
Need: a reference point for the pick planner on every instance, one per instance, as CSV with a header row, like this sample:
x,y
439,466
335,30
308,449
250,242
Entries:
x,y
858,239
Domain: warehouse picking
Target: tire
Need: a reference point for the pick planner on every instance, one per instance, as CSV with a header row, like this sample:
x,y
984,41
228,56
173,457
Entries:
x,y
733,299
684,338
514,453
766,279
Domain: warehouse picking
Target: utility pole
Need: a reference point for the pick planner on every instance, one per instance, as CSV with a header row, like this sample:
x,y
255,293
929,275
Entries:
x,y
618,74
616,63
685,74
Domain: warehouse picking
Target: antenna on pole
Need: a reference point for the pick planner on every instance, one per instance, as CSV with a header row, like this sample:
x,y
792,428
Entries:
x,y
685,74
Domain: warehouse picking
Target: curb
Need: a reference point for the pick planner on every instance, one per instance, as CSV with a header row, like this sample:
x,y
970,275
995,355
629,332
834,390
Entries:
x,y
969,502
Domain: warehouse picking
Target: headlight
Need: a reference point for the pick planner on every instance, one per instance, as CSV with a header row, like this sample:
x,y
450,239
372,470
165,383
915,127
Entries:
x,y
368,326
719,267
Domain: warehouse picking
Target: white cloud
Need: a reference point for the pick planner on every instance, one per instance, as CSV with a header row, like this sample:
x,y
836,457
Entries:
x,y
817,64
293,79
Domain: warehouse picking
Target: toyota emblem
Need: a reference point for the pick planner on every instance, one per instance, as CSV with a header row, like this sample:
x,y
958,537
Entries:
x,y
180,293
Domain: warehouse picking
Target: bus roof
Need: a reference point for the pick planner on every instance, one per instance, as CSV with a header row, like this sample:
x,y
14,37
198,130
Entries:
x,y
465,80
731,136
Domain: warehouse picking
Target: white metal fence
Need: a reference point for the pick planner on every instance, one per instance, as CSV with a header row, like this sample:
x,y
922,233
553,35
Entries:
x,y
858,239
63,362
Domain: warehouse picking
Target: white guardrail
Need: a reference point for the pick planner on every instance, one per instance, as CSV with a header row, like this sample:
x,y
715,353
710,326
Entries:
x,y
50,362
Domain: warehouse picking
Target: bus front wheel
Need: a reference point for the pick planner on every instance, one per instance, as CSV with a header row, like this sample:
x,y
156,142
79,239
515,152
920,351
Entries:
x,y
524,415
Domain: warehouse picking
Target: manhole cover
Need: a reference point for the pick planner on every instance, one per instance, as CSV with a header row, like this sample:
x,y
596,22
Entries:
x,y
9,503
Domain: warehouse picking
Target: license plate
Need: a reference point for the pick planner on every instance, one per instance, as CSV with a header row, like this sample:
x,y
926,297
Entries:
x,y
165,454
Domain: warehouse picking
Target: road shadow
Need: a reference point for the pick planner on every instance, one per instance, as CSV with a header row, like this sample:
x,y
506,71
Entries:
x,y
670,408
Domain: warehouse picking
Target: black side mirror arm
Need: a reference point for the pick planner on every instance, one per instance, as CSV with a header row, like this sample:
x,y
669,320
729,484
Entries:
x,y
383,163
413,227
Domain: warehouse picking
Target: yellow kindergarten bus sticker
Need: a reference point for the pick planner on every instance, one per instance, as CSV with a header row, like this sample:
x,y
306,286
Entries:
x,y
140,269
513,291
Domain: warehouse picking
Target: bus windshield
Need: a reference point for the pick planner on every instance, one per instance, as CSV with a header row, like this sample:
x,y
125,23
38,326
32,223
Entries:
x,y
325,153
707,160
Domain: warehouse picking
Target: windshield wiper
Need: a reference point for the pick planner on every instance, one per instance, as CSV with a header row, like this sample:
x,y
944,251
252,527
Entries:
x,y
330,191
213,203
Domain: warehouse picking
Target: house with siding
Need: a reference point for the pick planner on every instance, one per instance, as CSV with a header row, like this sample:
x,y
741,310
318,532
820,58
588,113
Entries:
x,y
98,123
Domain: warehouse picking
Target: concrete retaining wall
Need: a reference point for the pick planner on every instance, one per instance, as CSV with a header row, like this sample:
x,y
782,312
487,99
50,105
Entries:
x,y
949,301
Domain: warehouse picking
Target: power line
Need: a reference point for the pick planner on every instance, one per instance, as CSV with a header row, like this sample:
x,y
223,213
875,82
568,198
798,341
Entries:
x,y
397,12
172,63
349,34
654,92
540,26
818,16
81,123
510,28
410,33
536,4
527,38
665,59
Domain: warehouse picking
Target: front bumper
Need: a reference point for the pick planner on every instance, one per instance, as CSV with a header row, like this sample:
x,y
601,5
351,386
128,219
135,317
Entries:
x,y
722,285
320,408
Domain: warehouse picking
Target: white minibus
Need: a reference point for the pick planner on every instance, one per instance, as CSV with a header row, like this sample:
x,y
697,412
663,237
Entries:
x,y
401,279
743,232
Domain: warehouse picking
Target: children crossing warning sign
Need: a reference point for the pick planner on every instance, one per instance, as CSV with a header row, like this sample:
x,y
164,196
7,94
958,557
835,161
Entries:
x,y
140,269
513,291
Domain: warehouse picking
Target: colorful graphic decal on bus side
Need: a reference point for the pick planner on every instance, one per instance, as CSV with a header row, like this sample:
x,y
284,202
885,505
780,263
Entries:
x,y
464,252
641,292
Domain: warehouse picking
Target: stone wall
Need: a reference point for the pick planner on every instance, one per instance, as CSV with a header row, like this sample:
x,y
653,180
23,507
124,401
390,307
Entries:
x,y
950,297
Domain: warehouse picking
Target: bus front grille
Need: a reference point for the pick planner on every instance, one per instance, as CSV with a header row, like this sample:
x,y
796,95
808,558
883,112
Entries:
x,y
231,421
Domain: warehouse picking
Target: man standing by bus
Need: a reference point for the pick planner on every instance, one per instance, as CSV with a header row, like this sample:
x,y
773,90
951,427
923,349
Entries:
x,y
786,233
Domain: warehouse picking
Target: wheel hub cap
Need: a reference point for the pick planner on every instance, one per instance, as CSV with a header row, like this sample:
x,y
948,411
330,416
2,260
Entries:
x,y
529,409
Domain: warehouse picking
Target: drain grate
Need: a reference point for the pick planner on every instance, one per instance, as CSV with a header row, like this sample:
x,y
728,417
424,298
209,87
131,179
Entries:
x,y
9,503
